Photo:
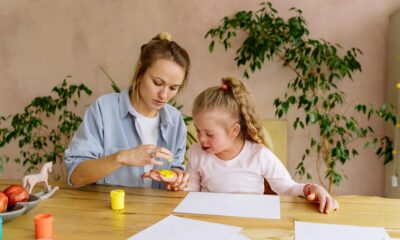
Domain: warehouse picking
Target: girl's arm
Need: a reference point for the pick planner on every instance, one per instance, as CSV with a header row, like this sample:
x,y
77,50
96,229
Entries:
x,y
282,183
316,193
193,169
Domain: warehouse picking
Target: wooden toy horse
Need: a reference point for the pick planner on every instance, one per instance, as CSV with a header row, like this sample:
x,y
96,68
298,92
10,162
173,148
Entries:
x,y
29,181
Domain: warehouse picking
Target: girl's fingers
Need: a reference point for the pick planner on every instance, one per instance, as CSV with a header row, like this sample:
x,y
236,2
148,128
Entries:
x,y
322,203
179,175
336,207
311,197
185,181
329,205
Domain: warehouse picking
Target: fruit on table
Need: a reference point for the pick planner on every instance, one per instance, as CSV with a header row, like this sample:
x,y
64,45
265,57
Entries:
x,y
16,193
3,202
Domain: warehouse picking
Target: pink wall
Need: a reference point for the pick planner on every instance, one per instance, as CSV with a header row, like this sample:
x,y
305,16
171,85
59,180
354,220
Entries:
x,y
42,41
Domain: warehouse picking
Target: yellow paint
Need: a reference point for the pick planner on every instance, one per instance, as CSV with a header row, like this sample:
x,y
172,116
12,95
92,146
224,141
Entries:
x,y
167,173
117,199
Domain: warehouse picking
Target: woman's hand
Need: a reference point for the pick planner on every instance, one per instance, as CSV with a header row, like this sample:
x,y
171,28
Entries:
x,y
177,181
143,155
163,175
318,194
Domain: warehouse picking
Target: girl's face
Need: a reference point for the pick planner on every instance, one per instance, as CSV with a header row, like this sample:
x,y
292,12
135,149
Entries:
x,y
158,85
216,131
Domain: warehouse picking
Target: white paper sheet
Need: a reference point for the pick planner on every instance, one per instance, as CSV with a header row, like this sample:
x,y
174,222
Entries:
x,y
178,228
238,205
318,231
240,237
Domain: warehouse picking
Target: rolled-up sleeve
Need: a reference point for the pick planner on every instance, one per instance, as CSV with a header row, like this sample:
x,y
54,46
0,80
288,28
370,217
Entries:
x,y
87,142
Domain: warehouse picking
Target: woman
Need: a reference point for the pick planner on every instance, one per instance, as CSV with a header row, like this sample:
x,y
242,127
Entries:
x,y
126,134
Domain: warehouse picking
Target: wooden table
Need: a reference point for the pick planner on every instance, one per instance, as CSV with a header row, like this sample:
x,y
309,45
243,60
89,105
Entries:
x,y
85,213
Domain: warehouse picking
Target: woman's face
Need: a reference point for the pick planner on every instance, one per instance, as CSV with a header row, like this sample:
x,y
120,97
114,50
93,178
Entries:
x,y
158,85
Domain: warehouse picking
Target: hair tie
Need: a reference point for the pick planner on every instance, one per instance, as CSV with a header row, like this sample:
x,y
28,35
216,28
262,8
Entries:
x,y
165,36
224,86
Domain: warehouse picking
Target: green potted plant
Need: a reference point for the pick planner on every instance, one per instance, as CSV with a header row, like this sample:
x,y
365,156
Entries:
x,y
318,67
39,140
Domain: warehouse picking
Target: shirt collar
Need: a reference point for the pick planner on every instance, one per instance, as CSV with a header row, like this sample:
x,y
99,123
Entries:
x,y
126,107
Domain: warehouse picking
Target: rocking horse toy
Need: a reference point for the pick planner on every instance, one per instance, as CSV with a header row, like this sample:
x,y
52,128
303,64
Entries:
x,y
29,181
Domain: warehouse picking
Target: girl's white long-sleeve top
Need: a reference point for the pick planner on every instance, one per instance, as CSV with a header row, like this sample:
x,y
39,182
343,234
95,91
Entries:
x,y
243,174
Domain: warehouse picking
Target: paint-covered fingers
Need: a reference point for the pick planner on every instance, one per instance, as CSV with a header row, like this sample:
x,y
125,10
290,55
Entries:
x,y
167,175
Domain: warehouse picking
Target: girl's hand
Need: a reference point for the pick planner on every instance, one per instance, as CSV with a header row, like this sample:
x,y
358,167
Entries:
x,y
318,194
181,182
143,155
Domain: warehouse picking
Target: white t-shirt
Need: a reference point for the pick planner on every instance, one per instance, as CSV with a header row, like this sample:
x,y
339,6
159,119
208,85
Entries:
x,y
148,129
243,174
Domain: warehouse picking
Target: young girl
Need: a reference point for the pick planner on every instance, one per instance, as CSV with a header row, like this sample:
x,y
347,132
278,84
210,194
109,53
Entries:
x,y
231,156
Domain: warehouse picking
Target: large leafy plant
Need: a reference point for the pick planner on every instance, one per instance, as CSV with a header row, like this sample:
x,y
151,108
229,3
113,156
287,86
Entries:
x,y
44,129
318,67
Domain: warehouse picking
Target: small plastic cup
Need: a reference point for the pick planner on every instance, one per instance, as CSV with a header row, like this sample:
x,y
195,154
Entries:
x,y
117,199
43,226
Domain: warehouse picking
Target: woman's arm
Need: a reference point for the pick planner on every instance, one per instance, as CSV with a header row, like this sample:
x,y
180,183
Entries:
x,y
90,171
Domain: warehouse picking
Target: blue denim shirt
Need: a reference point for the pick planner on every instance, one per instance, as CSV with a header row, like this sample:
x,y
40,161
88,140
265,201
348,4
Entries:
x,y
109,126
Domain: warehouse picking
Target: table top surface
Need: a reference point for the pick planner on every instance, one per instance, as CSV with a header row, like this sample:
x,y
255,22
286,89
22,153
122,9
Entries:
x,y
85,213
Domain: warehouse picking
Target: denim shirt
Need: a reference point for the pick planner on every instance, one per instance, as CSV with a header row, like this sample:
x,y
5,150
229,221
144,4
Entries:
x,y
109,126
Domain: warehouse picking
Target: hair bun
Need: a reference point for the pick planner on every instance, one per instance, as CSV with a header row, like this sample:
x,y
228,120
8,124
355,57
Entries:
x,y
165,36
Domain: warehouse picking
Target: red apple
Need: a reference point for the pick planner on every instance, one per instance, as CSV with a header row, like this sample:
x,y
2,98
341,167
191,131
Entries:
x,y
3,202
16,193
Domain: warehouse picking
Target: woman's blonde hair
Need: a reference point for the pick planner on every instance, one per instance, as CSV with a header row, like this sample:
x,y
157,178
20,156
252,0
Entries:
x,y
232,96
160,47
